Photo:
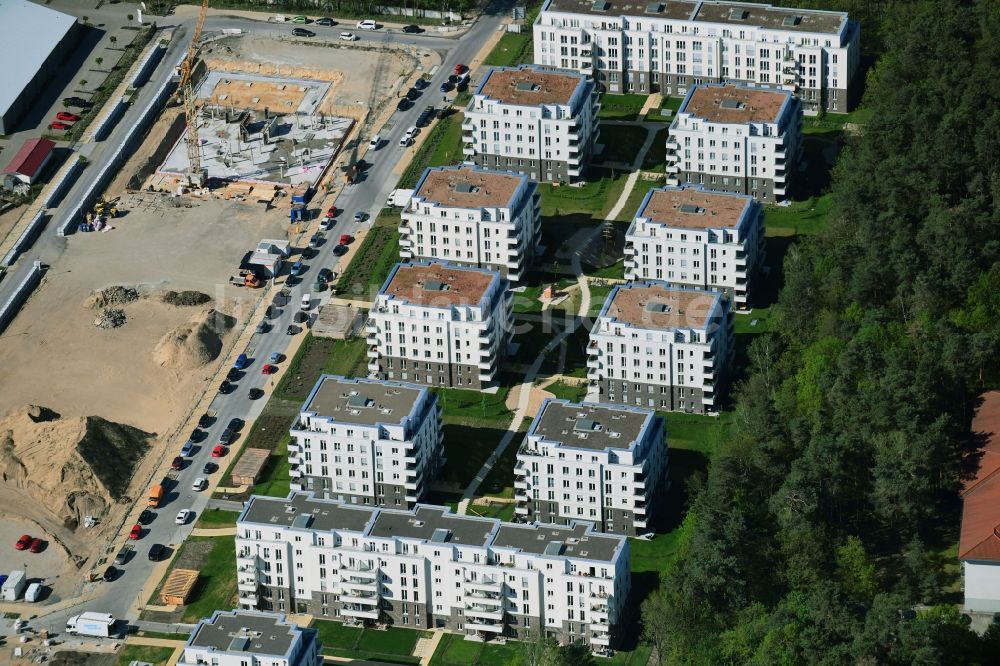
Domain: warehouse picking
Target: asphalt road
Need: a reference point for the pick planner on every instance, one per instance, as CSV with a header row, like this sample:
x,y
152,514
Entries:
x,y
367,196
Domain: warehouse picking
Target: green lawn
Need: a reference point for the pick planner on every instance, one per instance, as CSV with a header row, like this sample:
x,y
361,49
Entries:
x,y
565,391
636,657
621,107
621,142
503,512
474,407
802,217
371,264
144,653
514,48
595,197
500,481
216,586
672,103
347,358
656,158
834,121
394,644
162,634
276,479
442,147
527,299
212,518
454,650
466,448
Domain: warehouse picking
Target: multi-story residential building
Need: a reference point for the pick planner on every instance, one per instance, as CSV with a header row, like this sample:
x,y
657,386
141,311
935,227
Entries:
x,y
736,139
602,463
251,638
471,216
364,441
428,568
536,121
661,347
691,237
442,325
671,45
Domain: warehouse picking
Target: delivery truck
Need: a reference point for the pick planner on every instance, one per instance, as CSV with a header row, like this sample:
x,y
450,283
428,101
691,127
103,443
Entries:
x,y
14,586
91,624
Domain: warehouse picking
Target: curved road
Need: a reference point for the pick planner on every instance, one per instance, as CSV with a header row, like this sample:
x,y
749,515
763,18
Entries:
x,y
120,596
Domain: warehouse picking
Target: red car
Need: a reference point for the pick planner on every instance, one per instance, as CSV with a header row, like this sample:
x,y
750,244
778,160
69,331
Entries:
x,y
459,68
36,545
67,116
177,463
23,542
345,239
218,451
332,212
58,126
269,369
136,532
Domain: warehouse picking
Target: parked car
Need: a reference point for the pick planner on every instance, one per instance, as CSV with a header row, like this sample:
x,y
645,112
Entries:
x,y
367,24
460,67
196,435
263,327
36,545
332,211
302,32
326,223
403,104
23,542
413,131
412,29
324,275
269,369
183,516
405,141
234,375
346,238
291,330
58,126
255,393
199,484
276,357
300,19
327,21
219,451
146,517
205,421
177,463
227,436
421,83
136,532
348,36
156,552
300,317
236,424
315,240
77,102
241,362
446,86
375,142
340,250
67,116
297,268
225,387
110,574
187,449
209,468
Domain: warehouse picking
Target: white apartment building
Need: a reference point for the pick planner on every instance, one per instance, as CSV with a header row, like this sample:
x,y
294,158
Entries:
x,y
736,139
363,441
691,237
251,638
605,464
535,121
430,569
669,46
661,347
471,216
441,325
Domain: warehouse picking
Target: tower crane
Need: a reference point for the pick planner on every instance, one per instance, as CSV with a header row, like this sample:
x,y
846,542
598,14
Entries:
x,y
186,91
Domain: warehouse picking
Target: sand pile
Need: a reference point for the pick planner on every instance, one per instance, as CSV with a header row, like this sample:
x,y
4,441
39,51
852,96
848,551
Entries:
x,y
195,343
73,467
109,296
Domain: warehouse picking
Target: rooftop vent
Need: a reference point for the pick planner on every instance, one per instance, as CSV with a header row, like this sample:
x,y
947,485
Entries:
x,y
554,548
731,104
441,535
239,644
654,8
527,86
738,14
302,520
691,209
600,6
466,188
436,285
791,21
656,306
586,425
357,401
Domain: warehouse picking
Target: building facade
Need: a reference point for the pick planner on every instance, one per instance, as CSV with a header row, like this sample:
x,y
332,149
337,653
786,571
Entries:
x,y
669,46
471,216
661,347
441,325
539,122
430,569
605,464
691,237
736,139
251,638
366,442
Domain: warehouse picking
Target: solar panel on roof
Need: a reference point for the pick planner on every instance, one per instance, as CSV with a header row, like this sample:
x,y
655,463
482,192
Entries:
x,y
554,548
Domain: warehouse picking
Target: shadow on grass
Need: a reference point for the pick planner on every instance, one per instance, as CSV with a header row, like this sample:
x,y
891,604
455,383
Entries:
x,y
466,448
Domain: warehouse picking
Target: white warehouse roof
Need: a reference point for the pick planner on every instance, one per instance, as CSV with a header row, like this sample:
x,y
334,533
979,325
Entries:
x,y
28,34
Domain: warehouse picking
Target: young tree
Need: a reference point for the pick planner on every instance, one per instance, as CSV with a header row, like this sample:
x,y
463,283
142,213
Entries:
x,y
656,624
98,60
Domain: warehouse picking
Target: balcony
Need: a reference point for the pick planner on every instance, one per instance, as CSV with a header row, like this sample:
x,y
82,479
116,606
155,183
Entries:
x,y
374,367
359,598
362,612
594,362
249,598
295,459
361,571
482,612
781,153
487,363
673,168
371,328
601,638
593,375
629,248
405,239
295,471
483,585
468,150
362,583
520,484
486,627
373,351
247,584
672,144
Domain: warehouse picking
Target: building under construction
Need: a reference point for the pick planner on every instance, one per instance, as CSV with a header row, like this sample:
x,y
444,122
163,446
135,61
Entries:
x,y
261,129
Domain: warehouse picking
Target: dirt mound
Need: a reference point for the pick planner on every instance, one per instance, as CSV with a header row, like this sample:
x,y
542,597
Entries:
x,y
109,296
74,467
195,343
111,318
185,298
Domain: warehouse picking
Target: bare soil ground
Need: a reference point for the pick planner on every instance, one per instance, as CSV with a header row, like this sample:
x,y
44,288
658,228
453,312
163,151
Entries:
x,y
51,566
56,357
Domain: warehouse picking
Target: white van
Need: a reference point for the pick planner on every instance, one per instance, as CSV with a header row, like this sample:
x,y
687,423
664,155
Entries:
x,y
33,592
306,301
367,24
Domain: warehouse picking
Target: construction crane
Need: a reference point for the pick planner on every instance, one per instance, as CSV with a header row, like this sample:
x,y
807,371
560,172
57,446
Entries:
x,y
186,89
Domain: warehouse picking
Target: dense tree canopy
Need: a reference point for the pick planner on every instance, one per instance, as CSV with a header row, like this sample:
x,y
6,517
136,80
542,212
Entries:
x,y
826,520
